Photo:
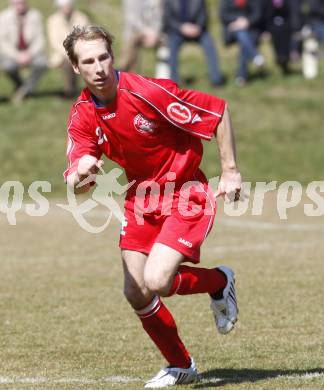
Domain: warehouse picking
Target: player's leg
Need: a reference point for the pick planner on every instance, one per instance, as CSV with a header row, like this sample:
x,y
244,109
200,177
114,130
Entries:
x,y
135,290
165,274
156,319
159,323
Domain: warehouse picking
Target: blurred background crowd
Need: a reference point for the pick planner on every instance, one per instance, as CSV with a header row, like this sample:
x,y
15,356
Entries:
x,y
295,29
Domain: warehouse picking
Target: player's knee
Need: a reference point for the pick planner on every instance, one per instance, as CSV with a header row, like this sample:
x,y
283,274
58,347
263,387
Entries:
x,y
136,295
157,284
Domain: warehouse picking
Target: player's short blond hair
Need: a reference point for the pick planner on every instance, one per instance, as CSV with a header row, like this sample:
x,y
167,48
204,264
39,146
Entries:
x,y
86,33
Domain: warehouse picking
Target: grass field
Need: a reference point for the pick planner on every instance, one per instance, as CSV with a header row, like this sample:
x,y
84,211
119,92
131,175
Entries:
x,y
65,324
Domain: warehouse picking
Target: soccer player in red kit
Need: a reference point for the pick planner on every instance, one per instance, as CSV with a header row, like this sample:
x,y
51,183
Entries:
x,y
153,130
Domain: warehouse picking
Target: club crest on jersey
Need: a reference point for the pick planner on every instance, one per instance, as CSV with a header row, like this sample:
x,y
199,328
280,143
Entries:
x,y
179,113
143,125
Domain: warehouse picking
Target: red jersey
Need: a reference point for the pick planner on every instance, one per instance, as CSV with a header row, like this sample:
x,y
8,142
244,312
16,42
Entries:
x,y
150,129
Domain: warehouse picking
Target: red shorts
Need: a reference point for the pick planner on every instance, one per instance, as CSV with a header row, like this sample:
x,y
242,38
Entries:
x,y
184,233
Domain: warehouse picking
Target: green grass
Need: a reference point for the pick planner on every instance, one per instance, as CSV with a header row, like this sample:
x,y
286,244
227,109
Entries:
x,y
279,121
64,317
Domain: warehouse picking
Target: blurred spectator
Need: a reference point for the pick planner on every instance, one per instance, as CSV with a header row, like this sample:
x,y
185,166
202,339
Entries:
x,y
59,25
142,29
186,21
310,53
312,33
280,20
316,18
241,19
22,45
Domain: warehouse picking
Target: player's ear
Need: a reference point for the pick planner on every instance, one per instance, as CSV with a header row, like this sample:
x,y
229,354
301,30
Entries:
x,y
76,68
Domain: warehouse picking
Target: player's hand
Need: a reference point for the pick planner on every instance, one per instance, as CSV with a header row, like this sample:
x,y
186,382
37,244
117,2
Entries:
x,y
230,185
88,165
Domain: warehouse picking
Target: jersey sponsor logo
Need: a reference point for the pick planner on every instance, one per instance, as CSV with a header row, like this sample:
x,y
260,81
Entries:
x,y
196,118
185,242
109,116
179,113
143,125
101,136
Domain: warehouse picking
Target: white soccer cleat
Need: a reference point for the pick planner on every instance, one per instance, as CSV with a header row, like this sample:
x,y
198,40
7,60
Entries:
x,y
171,376
225,310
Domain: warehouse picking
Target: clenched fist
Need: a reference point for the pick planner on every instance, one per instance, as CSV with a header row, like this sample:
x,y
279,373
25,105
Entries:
x,y
88,165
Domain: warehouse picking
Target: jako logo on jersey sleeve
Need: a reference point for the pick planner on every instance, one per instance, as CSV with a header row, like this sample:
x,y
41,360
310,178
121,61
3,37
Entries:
x,y
179,113
143,125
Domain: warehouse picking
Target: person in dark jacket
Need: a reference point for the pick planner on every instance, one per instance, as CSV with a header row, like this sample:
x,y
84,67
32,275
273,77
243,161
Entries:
x,y
281,20
186,21
240,19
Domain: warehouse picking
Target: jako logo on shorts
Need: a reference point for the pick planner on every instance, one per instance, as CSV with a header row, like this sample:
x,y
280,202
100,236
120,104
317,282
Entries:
x,y
185,242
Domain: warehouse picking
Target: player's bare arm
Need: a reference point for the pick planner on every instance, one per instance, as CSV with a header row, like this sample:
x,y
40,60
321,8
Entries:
x,y
230,181
87,165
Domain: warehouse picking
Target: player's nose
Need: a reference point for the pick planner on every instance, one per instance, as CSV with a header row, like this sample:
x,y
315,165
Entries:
x,y
99,67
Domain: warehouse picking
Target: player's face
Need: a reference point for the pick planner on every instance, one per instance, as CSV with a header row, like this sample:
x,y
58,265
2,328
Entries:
x,y
95,65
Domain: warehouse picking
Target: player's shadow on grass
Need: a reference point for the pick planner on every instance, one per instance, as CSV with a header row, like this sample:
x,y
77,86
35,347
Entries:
x,y
221,377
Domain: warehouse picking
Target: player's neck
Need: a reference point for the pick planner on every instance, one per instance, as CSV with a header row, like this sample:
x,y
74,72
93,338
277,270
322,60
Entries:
x,y
108,94
103,97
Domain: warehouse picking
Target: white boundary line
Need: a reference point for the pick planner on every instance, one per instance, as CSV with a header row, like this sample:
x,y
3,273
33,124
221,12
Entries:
x,y
76,381
259,225
126,380
262,247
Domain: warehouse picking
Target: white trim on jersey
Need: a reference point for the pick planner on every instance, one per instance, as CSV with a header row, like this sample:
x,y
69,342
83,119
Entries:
x,y
166,117
181,100
71,148
212,206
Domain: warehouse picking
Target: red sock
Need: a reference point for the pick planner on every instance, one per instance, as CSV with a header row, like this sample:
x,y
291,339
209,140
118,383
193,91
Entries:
x,y
194,280
162,329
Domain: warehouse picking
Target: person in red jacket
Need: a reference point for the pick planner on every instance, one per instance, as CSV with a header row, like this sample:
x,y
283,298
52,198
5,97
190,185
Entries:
x,y
153,130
